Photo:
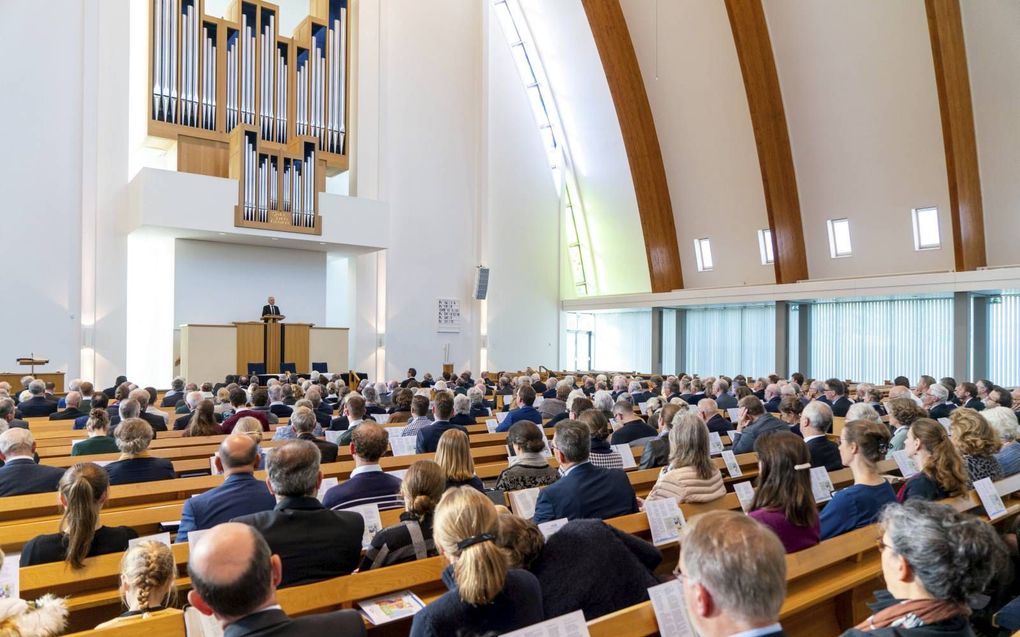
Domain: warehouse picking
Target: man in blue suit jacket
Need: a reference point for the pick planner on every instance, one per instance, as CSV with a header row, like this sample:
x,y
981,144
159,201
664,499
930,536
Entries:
x,y
240,494
525,398
428,436
584,491
20,474
754,421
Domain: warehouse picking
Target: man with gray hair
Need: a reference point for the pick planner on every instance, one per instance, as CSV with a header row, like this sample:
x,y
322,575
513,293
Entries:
x,y
584,490
276,404
313,542
174,395
192,399
708,410
934,400
733,575
37,404
371,397
72,411
133,408
20,474
240,493
721,394
552,407
815,423
7,419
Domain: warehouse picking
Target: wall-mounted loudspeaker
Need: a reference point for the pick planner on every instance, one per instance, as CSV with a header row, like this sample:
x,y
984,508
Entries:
x,y
481,282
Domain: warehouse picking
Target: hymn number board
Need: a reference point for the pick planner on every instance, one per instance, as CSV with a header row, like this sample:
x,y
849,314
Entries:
x,y
244,102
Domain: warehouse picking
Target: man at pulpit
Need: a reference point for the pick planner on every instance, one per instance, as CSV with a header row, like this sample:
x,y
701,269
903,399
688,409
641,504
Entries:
x,y
271,307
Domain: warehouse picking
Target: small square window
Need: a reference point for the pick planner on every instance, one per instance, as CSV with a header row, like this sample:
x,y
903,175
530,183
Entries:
x,y
926,229
703,251
839,238
765,246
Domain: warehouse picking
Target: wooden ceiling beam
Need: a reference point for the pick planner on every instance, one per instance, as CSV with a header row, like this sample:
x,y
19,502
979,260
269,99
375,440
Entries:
x,y
949,53
612,39
772,137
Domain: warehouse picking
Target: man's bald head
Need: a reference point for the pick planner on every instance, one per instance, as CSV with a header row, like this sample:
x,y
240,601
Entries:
x,y
233,573
238,454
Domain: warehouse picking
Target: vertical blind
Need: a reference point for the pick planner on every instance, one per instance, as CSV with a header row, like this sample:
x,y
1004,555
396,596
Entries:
x,y
874,341
731,340
1004,340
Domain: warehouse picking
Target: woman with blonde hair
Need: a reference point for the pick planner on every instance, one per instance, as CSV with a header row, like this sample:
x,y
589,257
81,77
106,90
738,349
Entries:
x,y
602,453
690,475
783,500
977,442
147,582
250,427
941,471
203,421
453,454
410,539
485,596
43,617
222,400
99,441
82,492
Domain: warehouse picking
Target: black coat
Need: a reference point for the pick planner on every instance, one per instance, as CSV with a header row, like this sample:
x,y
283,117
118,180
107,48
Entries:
x,y
275,623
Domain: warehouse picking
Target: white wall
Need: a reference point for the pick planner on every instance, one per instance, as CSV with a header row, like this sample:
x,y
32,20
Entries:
x,y
41,183
622,341
991,29
522,242
859,89
692,76
220,283
565,44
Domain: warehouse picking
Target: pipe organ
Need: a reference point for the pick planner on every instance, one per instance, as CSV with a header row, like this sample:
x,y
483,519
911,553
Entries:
x,y
243,101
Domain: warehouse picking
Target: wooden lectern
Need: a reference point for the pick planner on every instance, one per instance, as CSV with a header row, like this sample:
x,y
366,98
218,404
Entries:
x,y
270,342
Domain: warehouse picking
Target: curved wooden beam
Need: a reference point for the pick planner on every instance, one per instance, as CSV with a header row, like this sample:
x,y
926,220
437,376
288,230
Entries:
x,y
949,52
612,39
771,135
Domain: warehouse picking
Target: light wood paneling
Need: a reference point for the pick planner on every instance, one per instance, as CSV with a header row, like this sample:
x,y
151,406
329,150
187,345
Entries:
x,y
295,345
14,378
202,156
768,117
329,345
949,52
273,343
623,74
209,352
250,344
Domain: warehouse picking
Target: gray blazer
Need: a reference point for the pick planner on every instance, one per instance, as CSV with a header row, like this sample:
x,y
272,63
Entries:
x,y
764,424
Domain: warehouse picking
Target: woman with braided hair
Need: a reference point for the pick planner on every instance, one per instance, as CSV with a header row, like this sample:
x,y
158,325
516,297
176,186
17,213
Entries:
x,y
485,596
147,582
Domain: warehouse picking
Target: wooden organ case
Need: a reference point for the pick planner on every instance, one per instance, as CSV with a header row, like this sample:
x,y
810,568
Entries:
x,y
244,102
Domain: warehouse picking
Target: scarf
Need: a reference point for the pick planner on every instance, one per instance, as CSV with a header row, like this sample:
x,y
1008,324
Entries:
x,y
912,613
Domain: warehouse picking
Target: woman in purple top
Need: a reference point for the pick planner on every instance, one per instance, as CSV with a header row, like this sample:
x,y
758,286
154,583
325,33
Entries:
x,y
783,500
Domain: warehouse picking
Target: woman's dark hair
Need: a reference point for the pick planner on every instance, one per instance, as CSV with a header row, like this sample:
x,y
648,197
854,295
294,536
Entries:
x,y
521,539
784,482
203,421
791,405
100,400
526,435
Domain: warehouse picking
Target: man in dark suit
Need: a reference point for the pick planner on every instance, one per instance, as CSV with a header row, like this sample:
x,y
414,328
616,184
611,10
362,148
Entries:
x,y
746,596
7,411
303,421
271,308
632,429
240,494
671,390
815,423
234,577
753,422
524,411
412,373
708,409
721,395
313,542
835,396
131,408
111,391
367,484
276,404
20,474
71,411
584,491
38,404
966,394
428,436
772,398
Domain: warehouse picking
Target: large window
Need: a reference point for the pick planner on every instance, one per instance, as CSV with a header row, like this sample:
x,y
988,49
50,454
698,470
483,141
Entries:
x,y
731,340
875,341
616,341
579,340
1003,340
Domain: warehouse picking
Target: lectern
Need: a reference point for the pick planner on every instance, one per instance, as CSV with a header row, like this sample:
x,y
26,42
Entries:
x,y
272,342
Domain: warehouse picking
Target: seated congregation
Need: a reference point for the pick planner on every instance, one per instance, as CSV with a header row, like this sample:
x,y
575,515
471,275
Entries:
x,y
310,495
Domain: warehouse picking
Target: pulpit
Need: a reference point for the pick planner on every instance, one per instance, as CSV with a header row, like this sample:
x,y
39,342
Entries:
x,y
272,342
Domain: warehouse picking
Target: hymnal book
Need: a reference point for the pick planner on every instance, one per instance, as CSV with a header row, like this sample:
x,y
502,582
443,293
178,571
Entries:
x,y
373,523
550,527
664,520
327,484
10,578
403,445
732,466
715,445
905,463
569,625
670,609
821,485
522,502
745,493
990,498
627,454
